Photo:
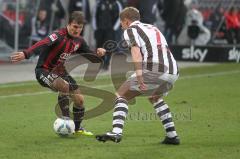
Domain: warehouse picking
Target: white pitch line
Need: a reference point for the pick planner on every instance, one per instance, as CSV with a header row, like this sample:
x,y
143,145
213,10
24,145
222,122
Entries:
x,y
108,85
42,92
25,94
9,85
210,74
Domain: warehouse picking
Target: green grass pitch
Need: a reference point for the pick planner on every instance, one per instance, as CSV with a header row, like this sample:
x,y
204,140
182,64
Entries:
x,y
205,103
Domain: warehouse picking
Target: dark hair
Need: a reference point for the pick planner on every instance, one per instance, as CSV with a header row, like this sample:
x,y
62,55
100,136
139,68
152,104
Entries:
x,y
130,13
76,16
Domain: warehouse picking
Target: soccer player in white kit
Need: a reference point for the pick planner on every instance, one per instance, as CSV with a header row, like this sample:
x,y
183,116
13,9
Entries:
x,y
155,73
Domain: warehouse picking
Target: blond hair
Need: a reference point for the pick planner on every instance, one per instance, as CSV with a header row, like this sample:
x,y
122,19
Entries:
x,y
130,13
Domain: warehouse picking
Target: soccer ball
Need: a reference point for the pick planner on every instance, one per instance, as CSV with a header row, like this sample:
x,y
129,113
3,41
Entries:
x,y
64,126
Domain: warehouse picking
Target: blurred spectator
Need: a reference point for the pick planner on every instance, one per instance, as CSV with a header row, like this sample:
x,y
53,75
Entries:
x,y
80,5
40,26
132,3
147,10
124,3
173,13
55,11
238,11
217,24
216,17
206,12
194,32
8,18
119,32
233,26
105,23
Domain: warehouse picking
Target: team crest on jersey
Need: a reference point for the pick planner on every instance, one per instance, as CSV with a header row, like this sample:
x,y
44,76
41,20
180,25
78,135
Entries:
x,y
53,37
76,47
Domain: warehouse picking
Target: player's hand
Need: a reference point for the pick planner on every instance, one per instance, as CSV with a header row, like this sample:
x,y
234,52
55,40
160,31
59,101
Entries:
x,y
142,86
101,51
17,56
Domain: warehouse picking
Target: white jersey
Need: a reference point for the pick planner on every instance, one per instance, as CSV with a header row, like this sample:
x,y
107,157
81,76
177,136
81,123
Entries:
x,y
153,46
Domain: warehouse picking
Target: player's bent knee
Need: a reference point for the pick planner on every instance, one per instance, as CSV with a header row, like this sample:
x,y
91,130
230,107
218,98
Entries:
x,y
78,100
73,88
64,88
61,86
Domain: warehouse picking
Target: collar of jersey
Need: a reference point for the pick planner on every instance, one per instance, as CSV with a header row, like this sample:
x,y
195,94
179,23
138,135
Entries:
x,y
135,22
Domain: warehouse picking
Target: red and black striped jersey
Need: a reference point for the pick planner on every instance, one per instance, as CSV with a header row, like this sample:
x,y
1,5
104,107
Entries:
x,y
56,48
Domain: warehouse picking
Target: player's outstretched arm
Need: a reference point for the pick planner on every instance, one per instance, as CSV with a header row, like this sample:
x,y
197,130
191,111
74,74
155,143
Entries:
x,y
17,56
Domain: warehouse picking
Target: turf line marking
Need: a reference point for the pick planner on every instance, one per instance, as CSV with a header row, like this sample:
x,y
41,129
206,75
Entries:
x,y
9,85
42,92
25,94
210,75
108,85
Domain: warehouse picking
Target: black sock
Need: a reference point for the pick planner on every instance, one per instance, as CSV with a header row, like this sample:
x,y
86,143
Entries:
x,y
78,114
63,102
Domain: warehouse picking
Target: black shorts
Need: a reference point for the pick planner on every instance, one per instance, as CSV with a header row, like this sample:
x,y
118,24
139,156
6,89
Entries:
x,y
45,78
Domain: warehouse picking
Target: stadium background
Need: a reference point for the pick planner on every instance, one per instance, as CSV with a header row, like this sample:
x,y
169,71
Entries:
x,y
205,100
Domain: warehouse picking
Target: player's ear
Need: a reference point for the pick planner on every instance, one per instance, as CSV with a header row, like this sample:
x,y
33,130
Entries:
x,y
128,22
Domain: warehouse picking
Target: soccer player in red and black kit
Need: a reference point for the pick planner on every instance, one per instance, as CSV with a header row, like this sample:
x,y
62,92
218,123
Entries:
x,y
54,50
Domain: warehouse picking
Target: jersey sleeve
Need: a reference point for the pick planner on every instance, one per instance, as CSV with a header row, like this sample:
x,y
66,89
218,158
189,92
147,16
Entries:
x,y
84,48
89,54
41,45
131,37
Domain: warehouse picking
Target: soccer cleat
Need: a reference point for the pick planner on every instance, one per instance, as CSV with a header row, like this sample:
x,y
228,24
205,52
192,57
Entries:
x,y
109,136
82,131
171,141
